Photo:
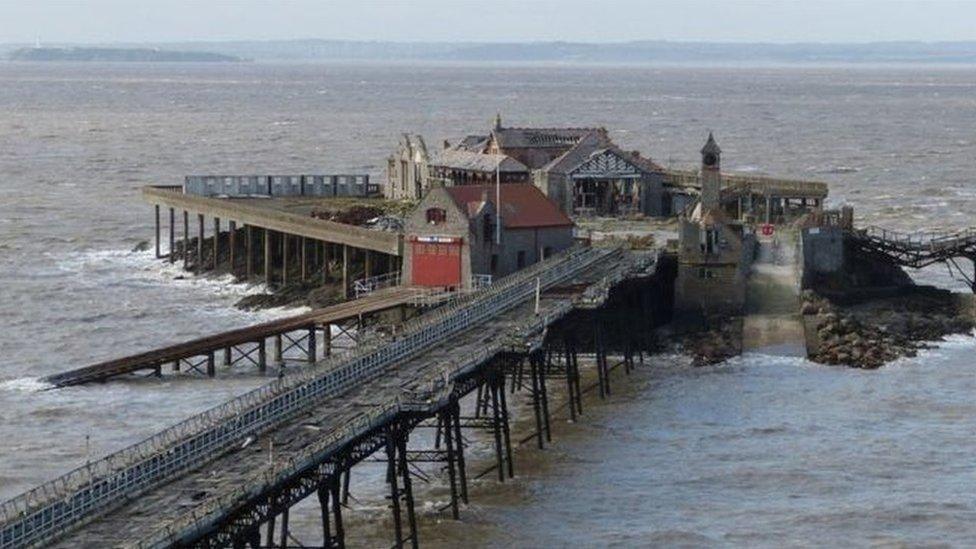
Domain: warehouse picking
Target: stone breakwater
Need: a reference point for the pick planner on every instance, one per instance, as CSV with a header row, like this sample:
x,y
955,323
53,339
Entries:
x,y
870,334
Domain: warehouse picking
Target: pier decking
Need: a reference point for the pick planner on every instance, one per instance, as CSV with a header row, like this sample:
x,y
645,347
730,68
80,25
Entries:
x,y
209,481
245,344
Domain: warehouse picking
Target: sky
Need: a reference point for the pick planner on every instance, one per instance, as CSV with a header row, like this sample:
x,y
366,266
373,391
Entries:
x,y
105,21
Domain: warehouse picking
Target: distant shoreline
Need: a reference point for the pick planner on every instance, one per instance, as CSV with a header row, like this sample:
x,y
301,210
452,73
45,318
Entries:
x,y
641,53
119,55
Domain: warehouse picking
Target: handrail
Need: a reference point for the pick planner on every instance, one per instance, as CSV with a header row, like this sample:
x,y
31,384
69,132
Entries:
x,y
275,473
919,240
366,286
54,506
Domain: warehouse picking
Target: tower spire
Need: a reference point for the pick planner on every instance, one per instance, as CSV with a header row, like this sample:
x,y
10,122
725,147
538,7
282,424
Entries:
x,y
711,174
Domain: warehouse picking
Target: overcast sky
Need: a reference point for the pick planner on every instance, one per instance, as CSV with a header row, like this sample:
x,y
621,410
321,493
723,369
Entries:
x,y
488,20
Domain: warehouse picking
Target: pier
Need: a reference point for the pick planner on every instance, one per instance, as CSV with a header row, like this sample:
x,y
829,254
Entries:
x,y
249,346
276,238
227,477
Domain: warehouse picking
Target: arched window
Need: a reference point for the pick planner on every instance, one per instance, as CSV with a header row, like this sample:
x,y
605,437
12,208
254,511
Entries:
x,y
436,216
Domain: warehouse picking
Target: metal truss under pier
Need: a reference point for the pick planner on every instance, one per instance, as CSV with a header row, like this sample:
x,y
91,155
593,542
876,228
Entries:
x,y
216,478
919,249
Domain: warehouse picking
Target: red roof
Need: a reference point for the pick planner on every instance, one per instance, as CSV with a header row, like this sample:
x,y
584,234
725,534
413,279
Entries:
x,y
523,206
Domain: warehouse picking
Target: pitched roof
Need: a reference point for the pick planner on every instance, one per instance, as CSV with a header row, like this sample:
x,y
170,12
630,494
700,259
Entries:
x,y
539,137
473,143
577,154
595,143
711,146
522,205
473,161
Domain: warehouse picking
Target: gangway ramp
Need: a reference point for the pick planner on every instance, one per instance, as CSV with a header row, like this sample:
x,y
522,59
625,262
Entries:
x,y
204,349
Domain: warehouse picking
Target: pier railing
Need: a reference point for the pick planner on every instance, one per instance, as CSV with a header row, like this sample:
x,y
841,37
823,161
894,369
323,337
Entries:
x,y
63,503
920,240
426,399
366,286
756,184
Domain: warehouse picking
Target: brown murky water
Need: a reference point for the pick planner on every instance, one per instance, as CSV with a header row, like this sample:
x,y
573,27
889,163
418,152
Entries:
x,y
760,451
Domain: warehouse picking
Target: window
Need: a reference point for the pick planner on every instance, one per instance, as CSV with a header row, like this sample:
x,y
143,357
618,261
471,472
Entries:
x,y
520,260
494,263
709,241
436,216
704,273
546,252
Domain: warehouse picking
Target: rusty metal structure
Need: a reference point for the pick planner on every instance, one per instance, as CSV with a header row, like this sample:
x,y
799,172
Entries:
x,y
918,249
224,477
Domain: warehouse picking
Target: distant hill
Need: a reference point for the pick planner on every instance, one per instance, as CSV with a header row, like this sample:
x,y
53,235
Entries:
x,y
131,55
639,52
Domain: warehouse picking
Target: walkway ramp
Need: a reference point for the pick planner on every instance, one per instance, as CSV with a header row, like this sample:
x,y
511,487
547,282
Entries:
x,y
772,324
204,348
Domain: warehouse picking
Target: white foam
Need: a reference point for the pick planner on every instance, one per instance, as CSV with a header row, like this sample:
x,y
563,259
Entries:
x,y
102,268
25,385
145,267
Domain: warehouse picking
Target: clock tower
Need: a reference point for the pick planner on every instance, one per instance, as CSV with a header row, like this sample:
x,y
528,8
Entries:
x,y
711,176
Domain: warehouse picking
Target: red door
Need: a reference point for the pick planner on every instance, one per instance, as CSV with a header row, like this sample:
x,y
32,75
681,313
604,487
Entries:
x,y
436,264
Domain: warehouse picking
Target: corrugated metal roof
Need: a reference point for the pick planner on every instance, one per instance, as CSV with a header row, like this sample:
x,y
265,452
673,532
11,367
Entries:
x,y
472,161
522,205
539,137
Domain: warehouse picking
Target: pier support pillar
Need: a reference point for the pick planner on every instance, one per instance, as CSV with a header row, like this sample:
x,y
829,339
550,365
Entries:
x,y
278,355
172,235
534,368
396,452
262,356
303,242
447,420
573,378
248,252
284,529
284,259
327,340
268,275
602,369
211,369
328,494
156,208
216,242
199,265
367,263
500,427
312,354
186,239
345,271
232,246
326,258
459,450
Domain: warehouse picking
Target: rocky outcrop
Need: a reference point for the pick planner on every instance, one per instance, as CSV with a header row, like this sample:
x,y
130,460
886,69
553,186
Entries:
x,y
294,295
872,333
720,342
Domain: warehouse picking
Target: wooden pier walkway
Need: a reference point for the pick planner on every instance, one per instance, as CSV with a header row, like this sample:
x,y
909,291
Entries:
x,y
202,351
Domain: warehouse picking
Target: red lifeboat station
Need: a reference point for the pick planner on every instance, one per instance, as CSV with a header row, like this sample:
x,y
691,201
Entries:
x,y
452,239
